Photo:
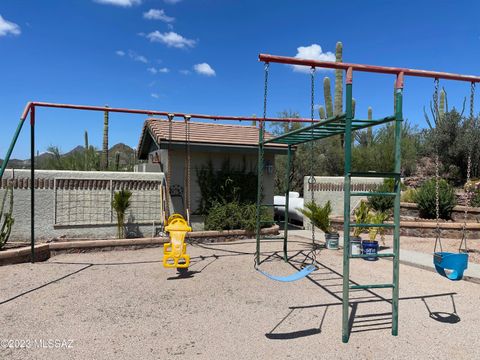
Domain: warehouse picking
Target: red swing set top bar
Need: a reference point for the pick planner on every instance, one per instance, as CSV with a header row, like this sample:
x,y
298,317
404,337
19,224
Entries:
x,y
367,68
32,105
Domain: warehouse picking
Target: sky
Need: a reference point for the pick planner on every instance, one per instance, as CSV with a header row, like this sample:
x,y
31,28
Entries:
x,y
201,56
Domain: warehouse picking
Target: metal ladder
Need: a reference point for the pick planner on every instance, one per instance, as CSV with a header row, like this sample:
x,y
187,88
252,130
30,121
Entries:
x,y
348,225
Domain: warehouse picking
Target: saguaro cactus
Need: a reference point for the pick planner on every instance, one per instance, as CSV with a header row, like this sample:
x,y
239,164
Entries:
x,y
117,161
321,112
86,151
105,141
441,106
327,94
370,130
338,109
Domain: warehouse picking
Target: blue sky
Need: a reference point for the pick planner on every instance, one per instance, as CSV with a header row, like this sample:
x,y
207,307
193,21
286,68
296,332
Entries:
x,y
201,56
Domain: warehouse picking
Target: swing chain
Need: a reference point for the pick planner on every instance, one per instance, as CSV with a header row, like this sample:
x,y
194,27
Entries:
x,y
469,170
312,179
260,156
437,176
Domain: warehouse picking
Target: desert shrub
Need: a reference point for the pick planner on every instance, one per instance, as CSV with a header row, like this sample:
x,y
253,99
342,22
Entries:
x,y
225,185
408,195
233,215
425,198
475,199
383,204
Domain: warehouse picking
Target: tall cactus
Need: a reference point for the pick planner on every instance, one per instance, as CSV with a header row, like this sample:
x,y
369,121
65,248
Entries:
x,y
370,130
441,107
105,141
338,109
86,152
321,112
117,161
327,93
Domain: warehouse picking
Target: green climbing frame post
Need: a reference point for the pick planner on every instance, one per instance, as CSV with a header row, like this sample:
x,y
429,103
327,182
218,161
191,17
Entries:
x,y
396,206
346,212
287,202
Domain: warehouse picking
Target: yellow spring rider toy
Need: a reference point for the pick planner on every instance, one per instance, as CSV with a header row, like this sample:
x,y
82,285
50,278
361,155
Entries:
x,y
174,252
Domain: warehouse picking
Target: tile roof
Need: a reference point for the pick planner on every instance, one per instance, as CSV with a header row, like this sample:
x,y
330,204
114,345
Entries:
x,y
204,133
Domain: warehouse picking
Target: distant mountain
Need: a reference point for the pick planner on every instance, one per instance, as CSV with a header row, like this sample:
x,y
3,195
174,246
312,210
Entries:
x,y
127,157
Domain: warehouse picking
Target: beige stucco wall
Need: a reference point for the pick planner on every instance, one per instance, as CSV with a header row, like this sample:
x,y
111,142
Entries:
x,y
217,158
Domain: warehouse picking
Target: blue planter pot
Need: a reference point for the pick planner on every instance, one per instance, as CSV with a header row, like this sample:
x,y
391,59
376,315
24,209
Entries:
x,y
370,247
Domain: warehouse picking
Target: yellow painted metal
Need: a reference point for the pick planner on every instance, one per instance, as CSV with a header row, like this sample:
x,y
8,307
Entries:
x,y
174,252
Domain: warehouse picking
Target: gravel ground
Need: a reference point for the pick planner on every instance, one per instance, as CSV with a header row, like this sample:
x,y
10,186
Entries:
x,y
125,305
426,245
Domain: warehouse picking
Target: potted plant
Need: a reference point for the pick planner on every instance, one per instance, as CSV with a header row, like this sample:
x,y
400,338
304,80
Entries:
x,y
320,217
361,217
371,246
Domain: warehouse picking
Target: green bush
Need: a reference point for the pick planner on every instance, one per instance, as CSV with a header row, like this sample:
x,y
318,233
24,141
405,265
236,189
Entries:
x,y
475,199
225,185
408,195
425,198
233,215
383,204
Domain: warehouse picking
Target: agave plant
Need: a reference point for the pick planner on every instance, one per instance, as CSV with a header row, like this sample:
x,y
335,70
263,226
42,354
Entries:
x,y
6,226
319,215
121,203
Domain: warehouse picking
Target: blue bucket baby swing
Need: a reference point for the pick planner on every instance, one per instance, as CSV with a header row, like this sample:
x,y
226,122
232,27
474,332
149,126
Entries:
x,y
449,264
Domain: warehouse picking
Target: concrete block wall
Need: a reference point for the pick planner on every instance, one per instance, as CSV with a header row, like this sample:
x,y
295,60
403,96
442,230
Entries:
x,y
331,188
77,204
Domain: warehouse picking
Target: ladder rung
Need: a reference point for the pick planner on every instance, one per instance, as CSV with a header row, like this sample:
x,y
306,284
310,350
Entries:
x,y
372,193
372,286
372,255
375,174
373,225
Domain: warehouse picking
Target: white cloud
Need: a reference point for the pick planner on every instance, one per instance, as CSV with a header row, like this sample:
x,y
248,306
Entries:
x,y
123,3
171,39
184,72
120,52
158,14
7,27
172,2
153,70
136,57
312,52
155,95
204,69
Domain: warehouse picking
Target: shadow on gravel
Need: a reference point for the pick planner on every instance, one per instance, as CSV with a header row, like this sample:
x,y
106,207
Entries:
x,y
366,322
295,334
46,284
444,317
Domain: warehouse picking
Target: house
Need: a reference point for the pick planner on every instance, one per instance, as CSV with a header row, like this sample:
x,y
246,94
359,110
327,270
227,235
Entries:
x,y
209,143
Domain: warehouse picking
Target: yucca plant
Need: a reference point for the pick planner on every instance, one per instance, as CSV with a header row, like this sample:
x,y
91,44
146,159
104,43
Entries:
x,y
361,217
319,215
121,203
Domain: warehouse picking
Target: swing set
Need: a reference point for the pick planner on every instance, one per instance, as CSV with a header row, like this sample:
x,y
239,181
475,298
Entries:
x,y
448,264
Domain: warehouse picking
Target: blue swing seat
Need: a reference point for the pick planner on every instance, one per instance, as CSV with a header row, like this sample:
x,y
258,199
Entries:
x,y
456,263
307,270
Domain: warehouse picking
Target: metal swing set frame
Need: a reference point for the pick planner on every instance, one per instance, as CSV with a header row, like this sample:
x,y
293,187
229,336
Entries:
x,y
317,129
345,124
